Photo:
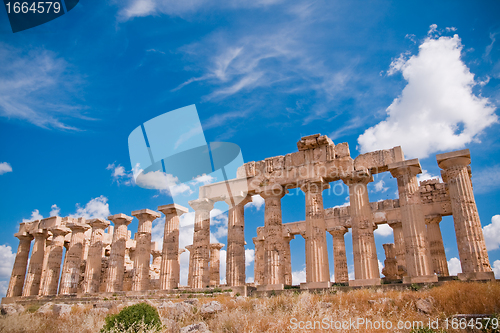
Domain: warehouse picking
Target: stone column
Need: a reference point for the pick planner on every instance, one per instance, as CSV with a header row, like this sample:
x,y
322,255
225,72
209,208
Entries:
x,y
201,242
53,270
235,255
19,271
142,256
92,279
390,269
274,244
339,255
366,270
190,268
215,264
399,246
258,265
170,268
156,254
116,267
470,239
74,256
34,276
418,263
288,259
436,246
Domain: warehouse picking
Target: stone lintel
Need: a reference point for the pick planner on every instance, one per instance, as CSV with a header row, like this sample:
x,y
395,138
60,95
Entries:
x,y
420,279
146,211
173,208
365,282
476,276
99,223
117,217
315,285
49,222
463,154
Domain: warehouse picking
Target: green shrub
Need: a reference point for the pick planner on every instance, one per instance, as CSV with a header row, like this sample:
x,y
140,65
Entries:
x,y
133,318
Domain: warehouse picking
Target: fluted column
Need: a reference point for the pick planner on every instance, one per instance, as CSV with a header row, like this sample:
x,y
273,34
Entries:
x,y
170,268
35,269
235,254
399,246
274,244
390,269
215,264
470,239
258,265
366,270
142,256
190,268
288,259
92,279
418,263
20,263
50,281
116,267
156,254
74,256
201,242
339,255
436,246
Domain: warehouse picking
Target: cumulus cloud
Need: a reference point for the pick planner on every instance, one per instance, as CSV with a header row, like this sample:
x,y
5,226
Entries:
x,y
299,276
437,110
7,258
5,167
454,266
257,202
119,175
54,210
383,230
492,234
35,215
425,175
379,186
95,208
249,257
496,268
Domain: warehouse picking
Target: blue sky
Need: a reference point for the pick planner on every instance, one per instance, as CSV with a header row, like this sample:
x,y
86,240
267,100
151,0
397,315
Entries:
x,y
420,74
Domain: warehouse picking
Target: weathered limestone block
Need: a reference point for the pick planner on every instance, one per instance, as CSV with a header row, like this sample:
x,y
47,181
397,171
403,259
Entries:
x,y
339,254
190,269
92,276
317,270
201,242
363,242
116,264
390,269
470,239
418,263
73,259
436,246
170,268
235,254
35,269
259,256
50,281
399,247
377,161
142,257
215,264
288,259
18,275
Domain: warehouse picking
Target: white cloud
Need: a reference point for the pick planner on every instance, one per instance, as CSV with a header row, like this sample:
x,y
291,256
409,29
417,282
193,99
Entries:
x,y
496,268
379,186
425,175
492,233
35,86
249,257
299,276
257,202
35,215
5,167
249,279
454,266
203,179
380,268
54,210
222,268
437,110
7,258
120,176
383,230
95,208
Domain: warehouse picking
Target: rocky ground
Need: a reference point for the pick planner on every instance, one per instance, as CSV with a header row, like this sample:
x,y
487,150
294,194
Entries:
x,y
362,310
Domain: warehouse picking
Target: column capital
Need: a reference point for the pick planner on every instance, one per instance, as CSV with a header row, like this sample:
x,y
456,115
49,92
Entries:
x,y
173,209
273,190
408,167
395,224
146,214
59,230
24,236
40,233
181,251
78,227
337,231
99,223
238,199
119,219
454,158
156,253
202,204
314,186
363,176
216,246
188,247
433,219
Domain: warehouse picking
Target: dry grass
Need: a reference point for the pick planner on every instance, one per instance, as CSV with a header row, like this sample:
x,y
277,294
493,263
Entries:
x,y
274,314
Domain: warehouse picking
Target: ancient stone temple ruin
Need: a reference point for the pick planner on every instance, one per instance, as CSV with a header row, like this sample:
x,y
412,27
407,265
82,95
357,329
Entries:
x,y
101,257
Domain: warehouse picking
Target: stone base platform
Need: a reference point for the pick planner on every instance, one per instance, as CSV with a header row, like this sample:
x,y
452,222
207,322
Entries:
x,y
267,287
476,276
315,285
420,279
365,282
